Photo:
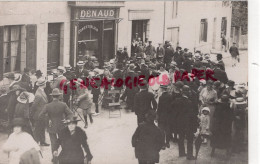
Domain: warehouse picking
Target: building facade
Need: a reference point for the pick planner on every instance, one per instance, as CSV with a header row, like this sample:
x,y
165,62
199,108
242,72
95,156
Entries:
x,y
43,35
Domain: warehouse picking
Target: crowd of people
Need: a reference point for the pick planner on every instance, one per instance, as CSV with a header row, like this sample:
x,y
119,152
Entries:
x,y
185,105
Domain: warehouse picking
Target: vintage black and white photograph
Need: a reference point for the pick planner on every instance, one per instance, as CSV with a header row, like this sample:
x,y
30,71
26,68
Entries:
x,y
124,82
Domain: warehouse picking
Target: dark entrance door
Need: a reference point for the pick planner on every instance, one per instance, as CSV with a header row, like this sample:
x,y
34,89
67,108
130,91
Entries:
x,y
139,29
108,45
53,59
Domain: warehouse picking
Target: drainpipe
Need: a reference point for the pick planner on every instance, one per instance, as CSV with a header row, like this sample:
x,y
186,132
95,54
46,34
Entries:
x,y
164,12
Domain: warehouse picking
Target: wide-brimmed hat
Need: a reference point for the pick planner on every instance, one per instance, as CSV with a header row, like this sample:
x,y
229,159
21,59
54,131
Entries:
x,y
38,73
61,68
55,92
206,109
26,97
80,63
67,66
18,122
41,82
73,119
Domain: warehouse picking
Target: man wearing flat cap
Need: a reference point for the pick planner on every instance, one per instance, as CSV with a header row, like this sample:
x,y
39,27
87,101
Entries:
x,y
150,51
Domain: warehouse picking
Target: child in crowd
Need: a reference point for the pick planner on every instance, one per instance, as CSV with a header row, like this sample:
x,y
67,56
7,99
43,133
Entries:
x,y
204,124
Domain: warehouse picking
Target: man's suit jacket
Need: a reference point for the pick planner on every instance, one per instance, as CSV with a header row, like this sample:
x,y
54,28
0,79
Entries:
x,y
57,82
56,112
144,101
164,107
39,102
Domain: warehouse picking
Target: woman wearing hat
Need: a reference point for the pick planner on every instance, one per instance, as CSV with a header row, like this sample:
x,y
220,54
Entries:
x,y
208,97
221,131
72,139
20,145
22,109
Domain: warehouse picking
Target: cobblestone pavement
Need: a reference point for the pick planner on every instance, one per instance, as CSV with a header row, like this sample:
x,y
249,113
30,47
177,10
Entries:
x,y
110,138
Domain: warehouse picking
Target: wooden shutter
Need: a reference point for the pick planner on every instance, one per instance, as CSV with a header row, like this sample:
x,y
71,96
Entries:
x,y
205,30
31,46
1,52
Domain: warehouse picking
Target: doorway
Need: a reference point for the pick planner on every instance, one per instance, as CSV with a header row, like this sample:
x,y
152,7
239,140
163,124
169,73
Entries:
x,y
53,58
108,45
139,29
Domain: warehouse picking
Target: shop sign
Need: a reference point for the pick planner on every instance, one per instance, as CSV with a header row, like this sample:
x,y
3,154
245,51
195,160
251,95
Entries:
x,y
96,13
88,27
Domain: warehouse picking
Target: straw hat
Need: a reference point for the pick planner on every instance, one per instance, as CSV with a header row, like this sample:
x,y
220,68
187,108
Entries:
x,y
41,82
26,97
206,109
80,63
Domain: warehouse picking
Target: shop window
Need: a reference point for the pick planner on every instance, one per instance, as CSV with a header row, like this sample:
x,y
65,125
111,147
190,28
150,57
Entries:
x,y
11,48
140,29
203,30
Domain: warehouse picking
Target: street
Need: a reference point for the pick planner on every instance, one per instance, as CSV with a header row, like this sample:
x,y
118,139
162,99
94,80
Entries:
x,y
110,138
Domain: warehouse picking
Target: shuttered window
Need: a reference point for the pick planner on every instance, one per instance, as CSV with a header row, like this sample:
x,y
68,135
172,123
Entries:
x,y
31,44
203,30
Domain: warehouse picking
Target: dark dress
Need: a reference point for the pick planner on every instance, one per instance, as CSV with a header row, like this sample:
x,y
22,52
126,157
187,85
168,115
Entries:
x,y
221,132
72,152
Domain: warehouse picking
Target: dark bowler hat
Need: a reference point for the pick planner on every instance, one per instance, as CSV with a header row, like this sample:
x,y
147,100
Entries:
x,y
18,122
186,49
38,73
219,56
185,88
55,92
179,84
73,119
224,98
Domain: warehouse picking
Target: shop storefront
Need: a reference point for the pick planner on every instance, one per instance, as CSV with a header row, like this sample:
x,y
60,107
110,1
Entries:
x,y
94,33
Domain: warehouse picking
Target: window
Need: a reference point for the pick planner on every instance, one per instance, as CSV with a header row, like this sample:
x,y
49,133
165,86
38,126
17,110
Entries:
x,y
12,48
174,9
203,30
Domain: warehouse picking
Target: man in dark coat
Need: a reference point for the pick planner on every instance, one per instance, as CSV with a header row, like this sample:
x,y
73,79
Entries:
x,y
168,56
220,74
144,102
178,58
81,72
150,51
186,122
26,79
121,55
160,51
56,110
163,113
131,90
233,50
222,127
148,140
72,139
